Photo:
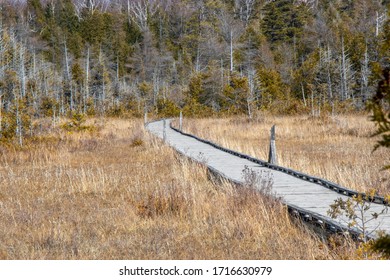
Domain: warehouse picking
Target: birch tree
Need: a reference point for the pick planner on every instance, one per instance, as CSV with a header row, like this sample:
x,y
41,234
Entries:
x,y
231,31
140,11
346,73
365,73
253,89
245,9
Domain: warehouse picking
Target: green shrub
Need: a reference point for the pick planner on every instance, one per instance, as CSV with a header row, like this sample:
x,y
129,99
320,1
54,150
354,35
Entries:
x,y
77,124
167,108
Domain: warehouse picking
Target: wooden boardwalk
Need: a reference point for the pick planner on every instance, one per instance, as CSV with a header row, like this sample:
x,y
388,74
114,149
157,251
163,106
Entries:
x,y
310,200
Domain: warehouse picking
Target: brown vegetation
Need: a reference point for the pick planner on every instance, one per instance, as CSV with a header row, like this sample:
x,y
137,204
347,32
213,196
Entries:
x,y
116,193
336,148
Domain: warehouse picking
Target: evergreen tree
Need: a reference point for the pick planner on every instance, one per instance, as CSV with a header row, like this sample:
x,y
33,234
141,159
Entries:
x,y
283,21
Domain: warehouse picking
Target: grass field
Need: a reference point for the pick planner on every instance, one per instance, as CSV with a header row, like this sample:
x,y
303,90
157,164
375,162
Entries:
x,y
335,148
117,193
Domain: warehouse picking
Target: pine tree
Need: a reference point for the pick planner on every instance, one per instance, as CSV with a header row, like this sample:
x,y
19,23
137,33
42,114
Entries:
x,y
283,21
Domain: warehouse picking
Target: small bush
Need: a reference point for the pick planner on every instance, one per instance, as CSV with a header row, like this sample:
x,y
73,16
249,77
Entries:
x,y
167,108
137,142
195,109
162,202
77,124
137,139
49,106
261,180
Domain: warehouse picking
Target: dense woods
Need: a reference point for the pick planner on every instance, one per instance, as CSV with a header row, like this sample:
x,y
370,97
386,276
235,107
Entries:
x,y
101,57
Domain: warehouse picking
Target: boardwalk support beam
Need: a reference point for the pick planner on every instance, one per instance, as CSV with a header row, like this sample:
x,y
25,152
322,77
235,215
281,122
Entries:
x,y
272,158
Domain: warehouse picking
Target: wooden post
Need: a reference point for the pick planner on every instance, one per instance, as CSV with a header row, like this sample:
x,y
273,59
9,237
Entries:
x,y
272,158
146,117
181,121
165,130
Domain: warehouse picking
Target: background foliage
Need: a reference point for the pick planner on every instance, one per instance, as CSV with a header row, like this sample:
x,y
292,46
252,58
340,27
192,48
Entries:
x,y
207,57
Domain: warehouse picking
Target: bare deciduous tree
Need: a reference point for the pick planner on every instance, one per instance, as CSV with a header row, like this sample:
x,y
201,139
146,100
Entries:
x,y
141,10
231,30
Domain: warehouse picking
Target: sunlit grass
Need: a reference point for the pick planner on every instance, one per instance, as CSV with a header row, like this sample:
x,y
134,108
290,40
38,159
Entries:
x,y
335,148
119,193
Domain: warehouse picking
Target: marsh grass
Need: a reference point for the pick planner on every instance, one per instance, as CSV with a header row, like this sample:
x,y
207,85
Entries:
x,y
338,148
118,193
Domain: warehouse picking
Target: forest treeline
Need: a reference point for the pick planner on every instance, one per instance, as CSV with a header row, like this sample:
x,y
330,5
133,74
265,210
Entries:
x,y
102,57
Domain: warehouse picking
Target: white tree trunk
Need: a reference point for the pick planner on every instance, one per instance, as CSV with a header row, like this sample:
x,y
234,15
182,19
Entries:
x,y
231,51
303,94
86,91
22,71
18,132
365,74
68,78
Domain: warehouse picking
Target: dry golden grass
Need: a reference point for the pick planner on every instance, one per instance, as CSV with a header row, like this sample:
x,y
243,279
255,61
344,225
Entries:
x,y
335,148
118,193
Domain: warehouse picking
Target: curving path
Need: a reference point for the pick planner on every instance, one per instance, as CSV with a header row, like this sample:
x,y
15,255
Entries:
x,y
304,197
